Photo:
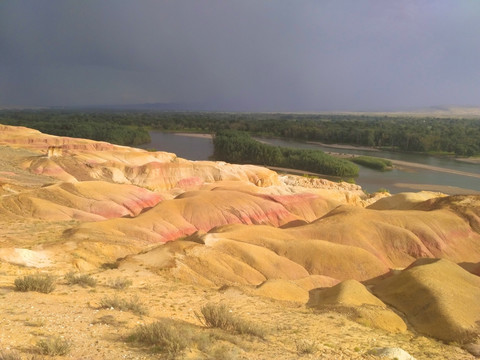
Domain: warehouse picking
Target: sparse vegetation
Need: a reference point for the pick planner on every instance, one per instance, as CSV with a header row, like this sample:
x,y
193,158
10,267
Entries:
x,y
172,338
35,323
305,346
83,280
218,316
120,283
133,305
54,346
108,320
109,266
163,336
43,283
14,355
9,355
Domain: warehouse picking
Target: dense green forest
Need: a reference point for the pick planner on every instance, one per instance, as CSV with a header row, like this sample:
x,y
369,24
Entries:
x,y
459,137
95,126
238,147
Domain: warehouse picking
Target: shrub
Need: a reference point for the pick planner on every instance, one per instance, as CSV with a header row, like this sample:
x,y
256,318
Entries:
x,y
54,346
82,280
164,336
14,355
9,355
121,283
306,346
110,266
218,316
35,322
134,305
39,282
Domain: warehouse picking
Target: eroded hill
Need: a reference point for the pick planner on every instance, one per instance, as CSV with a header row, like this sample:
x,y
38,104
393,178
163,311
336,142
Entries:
x,y
322,257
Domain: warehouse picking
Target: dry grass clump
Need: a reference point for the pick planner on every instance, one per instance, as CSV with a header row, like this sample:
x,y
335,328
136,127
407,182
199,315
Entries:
x,y
43,283
163,336
35,323
133,305
305,346
218,316
110,266
9,355
54,346
14,355
173,338
120,283
83,280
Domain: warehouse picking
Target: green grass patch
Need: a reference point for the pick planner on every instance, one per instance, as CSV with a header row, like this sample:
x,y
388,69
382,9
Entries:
x,y
373,162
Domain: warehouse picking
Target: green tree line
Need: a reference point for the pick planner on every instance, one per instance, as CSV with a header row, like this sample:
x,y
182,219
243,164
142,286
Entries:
x,y
98,127
238,147
454,136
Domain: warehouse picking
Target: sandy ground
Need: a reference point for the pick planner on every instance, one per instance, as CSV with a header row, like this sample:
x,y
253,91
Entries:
x,y
203,136
73,313
473,160
346,147
440,188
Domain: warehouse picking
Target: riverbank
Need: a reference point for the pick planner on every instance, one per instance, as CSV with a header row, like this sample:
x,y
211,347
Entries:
x,y
194,135
454,174
472,160
341,146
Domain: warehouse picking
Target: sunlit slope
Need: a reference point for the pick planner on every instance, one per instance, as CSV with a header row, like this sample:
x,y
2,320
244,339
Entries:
x,y
438,297
207,209
88,200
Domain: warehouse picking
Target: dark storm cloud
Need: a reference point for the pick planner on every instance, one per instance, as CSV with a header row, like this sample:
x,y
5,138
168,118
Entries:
x,y
241,55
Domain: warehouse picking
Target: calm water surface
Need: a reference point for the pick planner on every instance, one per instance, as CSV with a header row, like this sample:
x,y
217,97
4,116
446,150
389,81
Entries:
x,y
184,146
197,148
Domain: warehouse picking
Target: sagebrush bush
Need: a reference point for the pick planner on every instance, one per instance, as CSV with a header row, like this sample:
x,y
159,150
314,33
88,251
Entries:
x,y
134,304
120,283
218,316
306,346
39,282
163,336
9,355
14,355
53,346
83,280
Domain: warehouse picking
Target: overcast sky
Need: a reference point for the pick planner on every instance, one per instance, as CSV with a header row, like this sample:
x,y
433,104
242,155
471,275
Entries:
x,y
251,55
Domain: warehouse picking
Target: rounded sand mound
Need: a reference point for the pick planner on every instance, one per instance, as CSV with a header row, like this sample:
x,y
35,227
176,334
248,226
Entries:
x,y
404,201
358,304
439,298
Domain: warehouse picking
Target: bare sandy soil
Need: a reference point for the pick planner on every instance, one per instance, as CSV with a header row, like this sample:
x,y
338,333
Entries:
x,y
73,313
203,136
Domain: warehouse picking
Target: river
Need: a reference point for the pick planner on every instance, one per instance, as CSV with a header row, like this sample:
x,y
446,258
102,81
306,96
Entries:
x,y
412,172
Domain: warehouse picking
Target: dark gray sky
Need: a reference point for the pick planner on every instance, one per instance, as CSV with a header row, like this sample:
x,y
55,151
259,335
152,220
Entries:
x,y
250,55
